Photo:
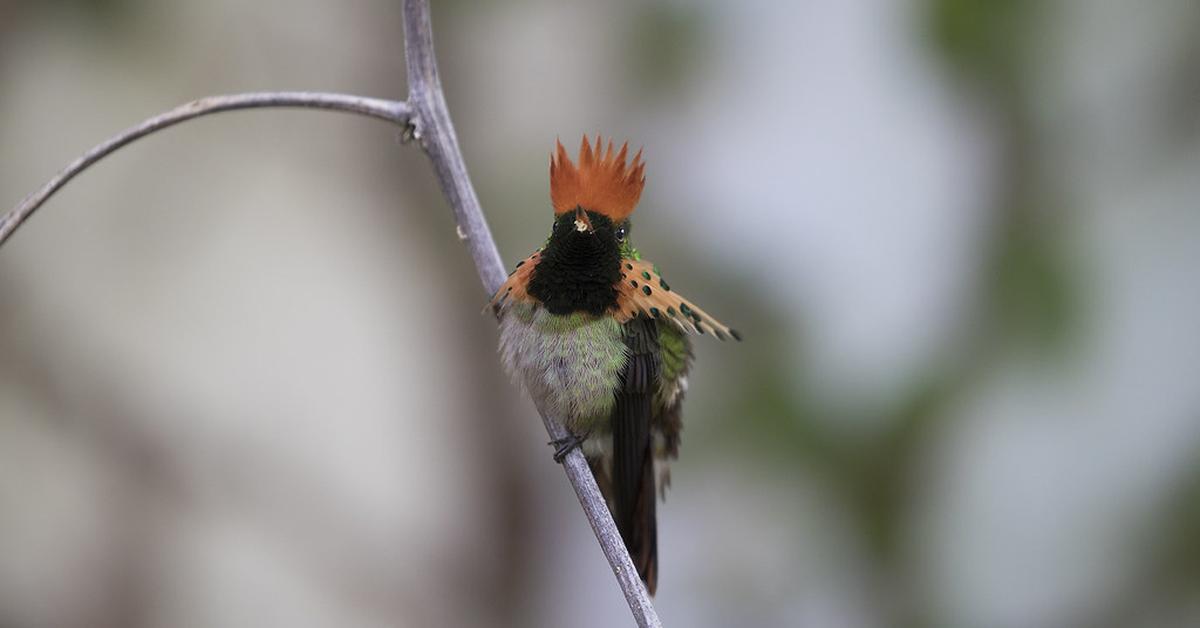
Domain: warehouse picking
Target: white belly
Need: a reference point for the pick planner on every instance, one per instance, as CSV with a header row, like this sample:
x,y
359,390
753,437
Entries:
x,y
569,364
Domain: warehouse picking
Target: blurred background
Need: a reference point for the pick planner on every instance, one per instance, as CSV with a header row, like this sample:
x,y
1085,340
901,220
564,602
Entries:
x,y
245,381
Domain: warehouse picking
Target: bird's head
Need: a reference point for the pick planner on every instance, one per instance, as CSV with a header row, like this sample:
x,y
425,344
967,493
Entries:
x,y
594,198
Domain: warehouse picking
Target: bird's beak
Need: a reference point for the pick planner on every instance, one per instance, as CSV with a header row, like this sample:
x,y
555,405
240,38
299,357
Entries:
x,y
582,222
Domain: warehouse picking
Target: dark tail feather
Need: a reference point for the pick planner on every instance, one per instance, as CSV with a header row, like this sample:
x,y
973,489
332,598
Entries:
x,y
644,527
632,477
633,486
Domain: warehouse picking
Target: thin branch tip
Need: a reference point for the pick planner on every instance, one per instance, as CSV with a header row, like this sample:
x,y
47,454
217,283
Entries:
x,y
396,112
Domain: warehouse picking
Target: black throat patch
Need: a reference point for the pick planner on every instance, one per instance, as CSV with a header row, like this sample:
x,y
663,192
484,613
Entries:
x,y
578,271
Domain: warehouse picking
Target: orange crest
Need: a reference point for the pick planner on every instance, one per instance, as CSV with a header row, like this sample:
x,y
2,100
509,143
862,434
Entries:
x,y
600,182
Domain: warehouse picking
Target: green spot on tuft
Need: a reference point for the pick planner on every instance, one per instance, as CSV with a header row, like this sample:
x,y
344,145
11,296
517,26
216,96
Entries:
x,y
687,311
736,334
654,312
671,311
646,290
645,275
633,282
663,284
628,266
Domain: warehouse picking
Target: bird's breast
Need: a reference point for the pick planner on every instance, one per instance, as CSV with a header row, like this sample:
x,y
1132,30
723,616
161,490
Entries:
x,y
570,364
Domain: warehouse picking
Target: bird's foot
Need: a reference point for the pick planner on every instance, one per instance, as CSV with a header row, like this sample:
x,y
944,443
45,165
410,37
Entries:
x,y
566,444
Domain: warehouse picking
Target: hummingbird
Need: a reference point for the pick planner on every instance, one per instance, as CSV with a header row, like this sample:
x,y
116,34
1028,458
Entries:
x,y
601,341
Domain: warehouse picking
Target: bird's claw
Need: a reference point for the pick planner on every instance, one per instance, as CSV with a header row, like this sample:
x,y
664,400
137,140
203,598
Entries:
x,y
565,445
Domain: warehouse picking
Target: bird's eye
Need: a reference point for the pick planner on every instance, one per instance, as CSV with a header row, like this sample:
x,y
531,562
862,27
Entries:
x,y
621,231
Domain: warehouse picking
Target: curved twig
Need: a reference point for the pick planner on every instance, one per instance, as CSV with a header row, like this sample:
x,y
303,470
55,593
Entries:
x,y
392,111
426,114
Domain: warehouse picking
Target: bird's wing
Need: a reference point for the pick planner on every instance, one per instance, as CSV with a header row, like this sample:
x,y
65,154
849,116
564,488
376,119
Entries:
x,y
514,288
643,290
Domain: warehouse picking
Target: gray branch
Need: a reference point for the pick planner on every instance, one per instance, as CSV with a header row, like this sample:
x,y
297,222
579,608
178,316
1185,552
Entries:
x,y
426,114
436,134
390,110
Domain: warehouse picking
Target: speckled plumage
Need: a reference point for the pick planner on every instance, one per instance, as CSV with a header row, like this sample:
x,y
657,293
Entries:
x,y
600,340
